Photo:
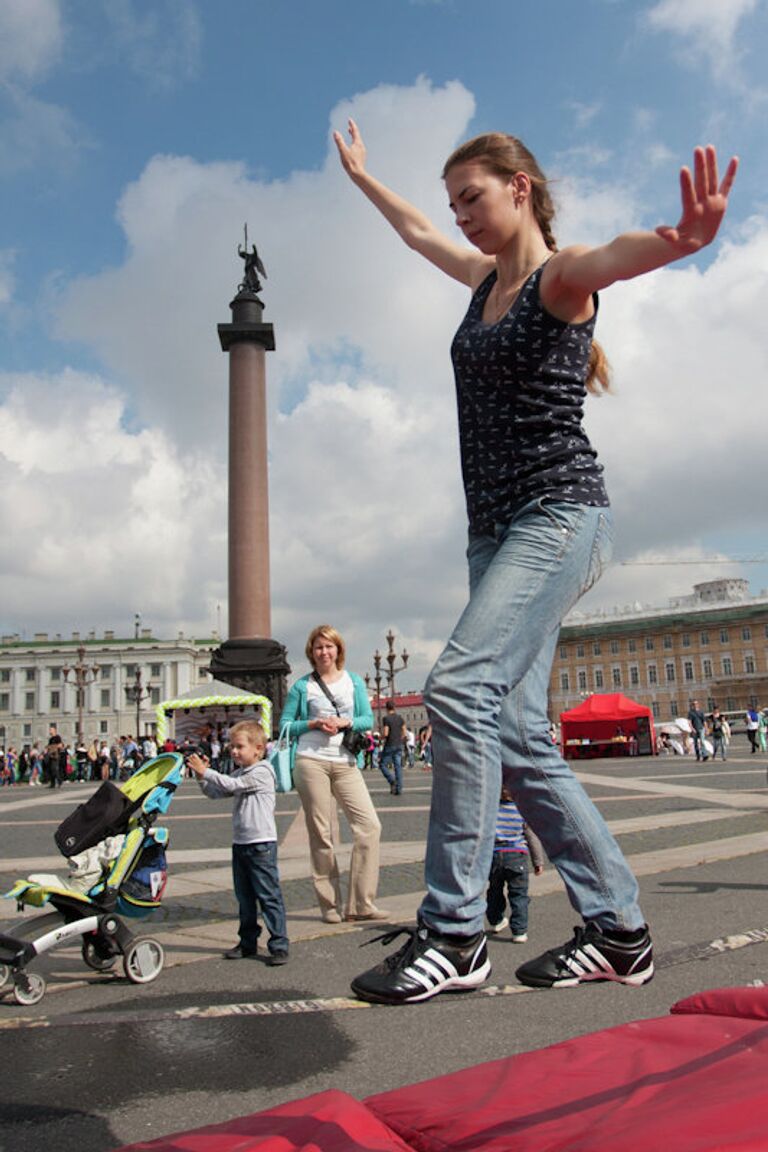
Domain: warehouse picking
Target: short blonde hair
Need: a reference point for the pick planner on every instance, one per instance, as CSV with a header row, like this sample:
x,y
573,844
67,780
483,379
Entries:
x,y
327,633
252,731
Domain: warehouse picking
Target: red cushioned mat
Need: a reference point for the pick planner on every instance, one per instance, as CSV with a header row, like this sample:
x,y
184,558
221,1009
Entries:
x,y
328,1122
688,1083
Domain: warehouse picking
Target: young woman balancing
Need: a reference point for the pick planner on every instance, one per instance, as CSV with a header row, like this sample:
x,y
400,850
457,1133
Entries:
x,y
539,536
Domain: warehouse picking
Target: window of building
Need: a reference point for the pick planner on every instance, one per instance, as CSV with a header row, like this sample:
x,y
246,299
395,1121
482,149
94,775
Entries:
x,y
5,701
565,683
655,709
580,650
106,671
673,709
688,670
723,635
704,639
103,727
710,703
54,673
582,679
155,670
753,702
616,677
706,668
563,652
730,704
749,662
649,645
130,671
55,701
29,675
29,701
155,696
686,639
596,649
634,675
614,647
631,644
5,673
27,732
746,632
727,666
667,641
599,683
202,672
669,672
106,698
652,674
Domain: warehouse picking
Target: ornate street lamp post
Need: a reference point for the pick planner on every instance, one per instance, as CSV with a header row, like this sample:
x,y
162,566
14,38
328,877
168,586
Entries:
x,y
136,693
390,659
83,674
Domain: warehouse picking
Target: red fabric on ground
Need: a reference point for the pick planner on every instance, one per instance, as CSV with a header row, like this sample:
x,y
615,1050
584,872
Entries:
x,y
748,1003
692,1084
327,1122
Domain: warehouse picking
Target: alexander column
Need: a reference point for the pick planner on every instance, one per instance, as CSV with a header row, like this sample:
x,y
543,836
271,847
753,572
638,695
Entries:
x,y
250,658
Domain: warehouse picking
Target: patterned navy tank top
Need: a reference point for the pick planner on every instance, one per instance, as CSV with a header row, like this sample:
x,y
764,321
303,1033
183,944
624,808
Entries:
x,y
520,385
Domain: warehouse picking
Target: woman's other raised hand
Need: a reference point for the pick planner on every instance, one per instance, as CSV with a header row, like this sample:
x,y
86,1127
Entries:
x,y
352,154
704,201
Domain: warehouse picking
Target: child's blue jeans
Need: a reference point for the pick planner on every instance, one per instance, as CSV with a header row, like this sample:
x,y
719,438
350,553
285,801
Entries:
x,y
257,886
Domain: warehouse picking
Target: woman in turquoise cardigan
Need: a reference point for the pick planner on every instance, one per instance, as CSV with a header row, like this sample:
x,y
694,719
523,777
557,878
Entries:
x,y
319,708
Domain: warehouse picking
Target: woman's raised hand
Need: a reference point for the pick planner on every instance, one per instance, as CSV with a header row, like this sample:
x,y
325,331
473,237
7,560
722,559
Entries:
x,y
704,199
352,154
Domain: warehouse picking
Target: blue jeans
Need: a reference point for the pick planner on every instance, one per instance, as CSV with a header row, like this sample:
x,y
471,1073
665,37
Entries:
x,y
257,885
393,756
509,870
487,701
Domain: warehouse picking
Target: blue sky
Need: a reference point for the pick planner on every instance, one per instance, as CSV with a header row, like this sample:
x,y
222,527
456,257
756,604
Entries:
x,y
136,136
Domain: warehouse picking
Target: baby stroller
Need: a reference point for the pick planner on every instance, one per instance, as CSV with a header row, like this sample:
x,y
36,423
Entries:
x,y
118,868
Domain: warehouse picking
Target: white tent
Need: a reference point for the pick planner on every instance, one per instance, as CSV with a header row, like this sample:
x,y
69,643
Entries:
x,y
211,703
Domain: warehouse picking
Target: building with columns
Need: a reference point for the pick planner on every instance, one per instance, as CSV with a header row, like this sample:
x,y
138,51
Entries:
x,y
711,646
35,691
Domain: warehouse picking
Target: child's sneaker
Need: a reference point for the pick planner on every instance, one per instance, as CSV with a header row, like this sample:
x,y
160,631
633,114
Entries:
x,y
427,964
496,928
592,955
519,937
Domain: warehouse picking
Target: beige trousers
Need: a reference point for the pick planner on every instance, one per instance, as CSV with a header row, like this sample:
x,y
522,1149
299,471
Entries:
x,y
321,785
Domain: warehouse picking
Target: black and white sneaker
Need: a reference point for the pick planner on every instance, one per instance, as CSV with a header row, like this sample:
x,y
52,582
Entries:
x,y
428,963
592,955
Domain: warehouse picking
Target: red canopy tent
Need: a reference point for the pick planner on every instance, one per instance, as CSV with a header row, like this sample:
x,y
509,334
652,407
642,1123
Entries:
x,y
599,719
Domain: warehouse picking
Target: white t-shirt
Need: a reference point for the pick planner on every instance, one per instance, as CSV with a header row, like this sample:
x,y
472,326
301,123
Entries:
x,y
316,743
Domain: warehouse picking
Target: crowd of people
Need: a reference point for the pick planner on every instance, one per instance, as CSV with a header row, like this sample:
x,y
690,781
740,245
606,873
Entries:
x,y
56,762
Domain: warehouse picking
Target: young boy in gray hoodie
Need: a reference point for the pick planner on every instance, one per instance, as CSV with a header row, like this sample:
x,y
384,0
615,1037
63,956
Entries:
x,y
254,838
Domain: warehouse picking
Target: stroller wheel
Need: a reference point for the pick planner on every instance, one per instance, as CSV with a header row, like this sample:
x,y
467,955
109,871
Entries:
x,y
5,974
143,960
95,956
29,988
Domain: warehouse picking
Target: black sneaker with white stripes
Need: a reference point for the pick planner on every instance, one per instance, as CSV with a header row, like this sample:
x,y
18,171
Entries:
x,y
428,963
592,955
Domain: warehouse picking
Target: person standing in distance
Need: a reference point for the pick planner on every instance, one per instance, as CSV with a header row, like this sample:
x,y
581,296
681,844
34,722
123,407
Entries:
x,y
391,760
539,536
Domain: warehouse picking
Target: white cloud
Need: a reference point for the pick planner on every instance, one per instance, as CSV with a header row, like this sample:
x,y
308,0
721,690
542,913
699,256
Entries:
x,y
34,132
161,44
7,279
99,518
708,27
30,38
367,522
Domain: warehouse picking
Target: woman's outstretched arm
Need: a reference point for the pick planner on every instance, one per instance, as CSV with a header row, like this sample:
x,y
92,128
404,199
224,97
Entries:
x,y
416,229
575,273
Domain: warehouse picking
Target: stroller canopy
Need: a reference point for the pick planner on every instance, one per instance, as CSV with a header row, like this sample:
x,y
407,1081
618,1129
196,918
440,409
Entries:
x,y
214,702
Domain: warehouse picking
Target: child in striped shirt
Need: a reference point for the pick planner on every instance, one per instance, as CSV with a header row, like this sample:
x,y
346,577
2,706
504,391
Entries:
x,y
515,848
